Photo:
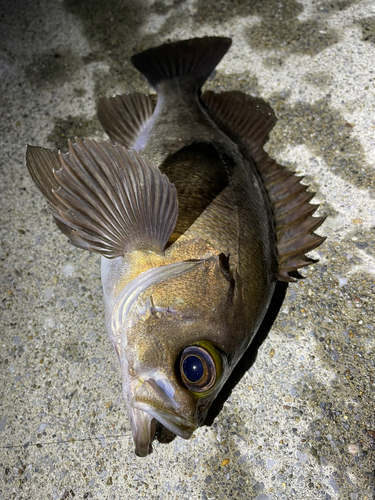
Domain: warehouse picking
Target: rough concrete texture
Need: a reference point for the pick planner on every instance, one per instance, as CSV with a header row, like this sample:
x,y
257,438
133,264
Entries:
x,y
301,423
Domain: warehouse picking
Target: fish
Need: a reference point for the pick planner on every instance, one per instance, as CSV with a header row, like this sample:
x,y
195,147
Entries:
x,y
195,224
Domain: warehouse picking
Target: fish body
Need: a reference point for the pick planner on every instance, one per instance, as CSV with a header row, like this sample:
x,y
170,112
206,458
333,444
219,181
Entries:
x,y
186,283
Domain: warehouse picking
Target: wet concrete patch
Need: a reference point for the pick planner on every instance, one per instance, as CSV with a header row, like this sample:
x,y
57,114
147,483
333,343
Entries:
x,y
71,127
113,32
326,134
220,11
279,28
244,82
292,36
52,67
319,79
368,29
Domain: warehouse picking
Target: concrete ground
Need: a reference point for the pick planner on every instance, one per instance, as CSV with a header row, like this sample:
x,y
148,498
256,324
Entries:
x,y
301,423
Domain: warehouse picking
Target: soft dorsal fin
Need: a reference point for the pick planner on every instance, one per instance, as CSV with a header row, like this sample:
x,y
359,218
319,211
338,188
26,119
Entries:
x,y
251,120
113,199
195,59
123,117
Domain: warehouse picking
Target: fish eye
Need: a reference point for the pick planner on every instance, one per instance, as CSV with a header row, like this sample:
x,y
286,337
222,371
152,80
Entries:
x,y
197,368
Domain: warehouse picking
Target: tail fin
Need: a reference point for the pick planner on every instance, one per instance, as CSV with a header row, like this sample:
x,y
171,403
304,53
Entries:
x,y
195,58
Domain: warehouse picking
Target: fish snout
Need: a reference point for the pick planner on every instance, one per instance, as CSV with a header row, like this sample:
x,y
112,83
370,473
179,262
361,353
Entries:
x,y
153,399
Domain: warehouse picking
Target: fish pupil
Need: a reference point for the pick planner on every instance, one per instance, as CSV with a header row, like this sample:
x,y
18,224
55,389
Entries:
x,y
193,368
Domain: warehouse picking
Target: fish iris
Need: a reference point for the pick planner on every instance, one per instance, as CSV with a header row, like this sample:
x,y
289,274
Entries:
x,y
193,368
197,368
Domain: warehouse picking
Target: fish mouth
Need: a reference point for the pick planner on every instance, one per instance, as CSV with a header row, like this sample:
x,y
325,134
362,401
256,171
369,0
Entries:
x,y
151,403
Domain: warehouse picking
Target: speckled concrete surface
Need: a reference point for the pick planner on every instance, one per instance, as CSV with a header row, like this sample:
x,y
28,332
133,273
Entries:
x,y
301,422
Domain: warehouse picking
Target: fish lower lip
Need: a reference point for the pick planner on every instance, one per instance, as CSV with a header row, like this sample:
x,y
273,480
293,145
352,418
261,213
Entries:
x,y
181,426
143,428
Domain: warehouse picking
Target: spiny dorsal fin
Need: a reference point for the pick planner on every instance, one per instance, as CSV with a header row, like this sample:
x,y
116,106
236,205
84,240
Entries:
x,y
115,200
195,58
123,117
251,120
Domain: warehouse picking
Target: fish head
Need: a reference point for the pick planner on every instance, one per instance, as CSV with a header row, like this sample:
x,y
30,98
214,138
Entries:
x,y
176,346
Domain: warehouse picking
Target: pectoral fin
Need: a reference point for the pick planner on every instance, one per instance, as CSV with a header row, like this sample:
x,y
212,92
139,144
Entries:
x,y
113,200
250,119
41,164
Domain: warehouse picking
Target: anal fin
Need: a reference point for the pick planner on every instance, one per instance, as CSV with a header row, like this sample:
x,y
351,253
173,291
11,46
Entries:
x,y
250,119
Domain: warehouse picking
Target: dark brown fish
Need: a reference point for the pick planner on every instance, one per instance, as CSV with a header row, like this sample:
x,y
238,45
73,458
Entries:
x,y
188,282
